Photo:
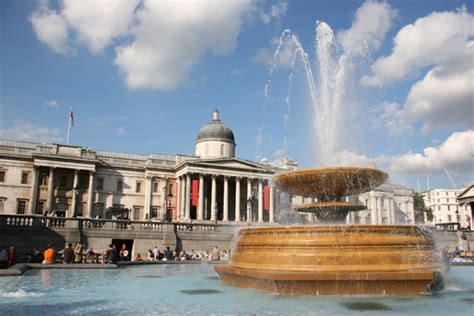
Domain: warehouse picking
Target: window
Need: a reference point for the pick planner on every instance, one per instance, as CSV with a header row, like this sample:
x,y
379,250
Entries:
x,y
98,209
24,177
170,187
2,176
222,149
449,218
21,207
136,213
155,187
2,204
40,207
63,182
138,187
119,185
154,212
439,208
100,183
43,176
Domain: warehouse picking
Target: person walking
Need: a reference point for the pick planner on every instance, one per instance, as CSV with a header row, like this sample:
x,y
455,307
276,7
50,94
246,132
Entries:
x,y
11,257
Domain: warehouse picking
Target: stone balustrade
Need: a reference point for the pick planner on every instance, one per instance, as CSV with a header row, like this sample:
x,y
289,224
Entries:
x,y
105,224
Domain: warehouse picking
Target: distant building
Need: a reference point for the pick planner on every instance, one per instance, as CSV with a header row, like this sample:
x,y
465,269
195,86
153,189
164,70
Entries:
x,y
444,204
466,206
71,181
388,204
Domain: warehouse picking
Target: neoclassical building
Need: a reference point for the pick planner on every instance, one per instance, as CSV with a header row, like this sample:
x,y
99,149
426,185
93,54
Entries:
x,y
71,181
212,185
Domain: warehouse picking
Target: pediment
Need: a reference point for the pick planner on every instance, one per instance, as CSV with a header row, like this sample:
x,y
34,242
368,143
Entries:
x,y
228,163
468,193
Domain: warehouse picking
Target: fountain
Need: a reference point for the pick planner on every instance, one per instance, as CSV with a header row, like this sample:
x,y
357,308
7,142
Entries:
x,y
332,258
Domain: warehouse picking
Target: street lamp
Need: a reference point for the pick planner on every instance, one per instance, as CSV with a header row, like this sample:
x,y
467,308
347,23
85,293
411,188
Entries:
x,y
168,206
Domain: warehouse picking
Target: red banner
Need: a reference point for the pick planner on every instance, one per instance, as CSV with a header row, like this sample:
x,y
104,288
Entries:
x,y
266,198
175,213
195,192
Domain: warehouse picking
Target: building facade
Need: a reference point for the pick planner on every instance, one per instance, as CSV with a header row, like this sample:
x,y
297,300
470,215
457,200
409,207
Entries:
x,y
212,185
466,207
72,181
444,204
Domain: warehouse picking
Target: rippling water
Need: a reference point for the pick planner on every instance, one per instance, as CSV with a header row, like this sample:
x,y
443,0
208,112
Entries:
x,y
195,289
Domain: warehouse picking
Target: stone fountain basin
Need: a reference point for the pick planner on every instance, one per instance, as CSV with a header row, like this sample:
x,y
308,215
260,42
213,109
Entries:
x,y
329,183
327,260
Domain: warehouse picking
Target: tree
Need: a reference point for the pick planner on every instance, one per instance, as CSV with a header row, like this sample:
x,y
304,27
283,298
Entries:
x,y
420,209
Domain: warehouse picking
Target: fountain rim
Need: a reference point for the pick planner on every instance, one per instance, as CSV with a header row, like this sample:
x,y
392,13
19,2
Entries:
x,y
322,170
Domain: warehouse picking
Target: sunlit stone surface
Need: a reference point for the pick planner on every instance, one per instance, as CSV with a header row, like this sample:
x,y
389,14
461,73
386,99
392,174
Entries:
x,y
336,259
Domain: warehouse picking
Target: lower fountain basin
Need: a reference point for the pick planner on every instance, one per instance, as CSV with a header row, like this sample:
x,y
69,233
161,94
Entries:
x,y
330,260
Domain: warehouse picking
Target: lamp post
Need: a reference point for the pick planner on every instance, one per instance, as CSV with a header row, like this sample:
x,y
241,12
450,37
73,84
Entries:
x,y
169,198
457,218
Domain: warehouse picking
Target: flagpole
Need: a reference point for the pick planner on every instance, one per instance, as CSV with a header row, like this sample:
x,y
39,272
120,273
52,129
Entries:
x,y
68,126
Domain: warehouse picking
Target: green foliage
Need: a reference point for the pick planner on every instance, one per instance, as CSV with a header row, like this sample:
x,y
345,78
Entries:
x,y
420,209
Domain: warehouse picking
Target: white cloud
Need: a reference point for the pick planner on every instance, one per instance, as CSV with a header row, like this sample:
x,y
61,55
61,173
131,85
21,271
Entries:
x,y
371,23
236,73
275,13
94,23
455,154
171,37
444,97
119,130
31,133
97,23
51,28
431,40
51,104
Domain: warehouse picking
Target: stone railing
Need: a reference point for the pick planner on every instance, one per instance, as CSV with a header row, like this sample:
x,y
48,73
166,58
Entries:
x,y
105,224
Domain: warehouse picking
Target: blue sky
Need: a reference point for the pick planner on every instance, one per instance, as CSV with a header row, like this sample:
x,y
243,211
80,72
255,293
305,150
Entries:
x,y
144,76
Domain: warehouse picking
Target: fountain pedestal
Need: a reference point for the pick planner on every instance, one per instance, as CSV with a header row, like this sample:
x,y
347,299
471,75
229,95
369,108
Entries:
x,y
332,259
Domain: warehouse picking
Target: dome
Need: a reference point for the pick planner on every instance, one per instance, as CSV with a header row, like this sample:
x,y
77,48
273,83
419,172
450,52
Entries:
x,y
215,130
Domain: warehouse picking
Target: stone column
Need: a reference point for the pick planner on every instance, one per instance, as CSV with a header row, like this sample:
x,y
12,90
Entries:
x,y
392,212
260,201
90,194
200,211
188,197
373,211
380,210
74,195
237,199
271,220
34,189
249,196
182,198
225,217
50,189
148,189
213,199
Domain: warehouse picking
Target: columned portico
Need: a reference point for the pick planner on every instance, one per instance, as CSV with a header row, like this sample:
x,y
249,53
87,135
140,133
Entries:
x,y
213,199
90,194
188,198
237,199
74,194
225,216
200,215
249,200
50,189
34,189
260,201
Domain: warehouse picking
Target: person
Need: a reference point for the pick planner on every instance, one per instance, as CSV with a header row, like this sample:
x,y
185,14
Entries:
x,y
68,254
138,257
151,255
215,254
90,256
156,253
111,255
49,254
3,257
11,256
225,255
78,253
124,253
168,254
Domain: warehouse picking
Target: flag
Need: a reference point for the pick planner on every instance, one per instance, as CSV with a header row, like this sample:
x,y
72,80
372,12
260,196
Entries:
x,y
195,192
71,116
266,198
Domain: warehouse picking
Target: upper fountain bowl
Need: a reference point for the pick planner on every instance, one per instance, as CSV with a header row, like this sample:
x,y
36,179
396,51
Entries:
x,y
330,183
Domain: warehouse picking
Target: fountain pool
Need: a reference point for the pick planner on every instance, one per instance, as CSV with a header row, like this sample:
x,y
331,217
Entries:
x,y
196,289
